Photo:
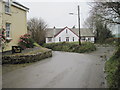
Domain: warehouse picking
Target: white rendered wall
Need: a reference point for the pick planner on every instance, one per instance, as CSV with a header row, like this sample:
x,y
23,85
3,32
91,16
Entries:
x,y
92,39
49,41
69,34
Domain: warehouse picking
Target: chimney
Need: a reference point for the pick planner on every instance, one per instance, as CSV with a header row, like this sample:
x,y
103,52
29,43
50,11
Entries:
x,y
54,32
73,27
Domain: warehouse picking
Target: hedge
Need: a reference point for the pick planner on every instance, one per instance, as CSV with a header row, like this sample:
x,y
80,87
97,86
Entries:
x,y
71,47
112,67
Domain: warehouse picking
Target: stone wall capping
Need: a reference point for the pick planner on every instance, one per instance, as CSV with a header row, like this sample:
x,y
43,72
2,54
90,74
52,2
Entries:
x,y
26,58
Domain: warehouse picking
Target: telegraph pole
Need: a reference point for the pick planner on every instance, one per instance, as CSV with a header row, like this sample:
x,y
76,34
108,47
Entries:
x,y
79,24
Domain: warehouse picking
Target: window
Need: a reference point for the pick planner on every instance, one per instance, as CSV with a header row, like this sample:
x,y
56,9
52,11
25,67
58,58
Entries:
x,y
73,39
83,38
66,30
59,39
7,29
67,39
49,39
7,7
88,39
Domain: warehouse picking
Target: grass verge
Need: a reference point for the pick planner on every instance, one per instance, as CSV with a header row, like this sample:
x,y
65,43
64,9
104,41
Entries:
x,y
112,68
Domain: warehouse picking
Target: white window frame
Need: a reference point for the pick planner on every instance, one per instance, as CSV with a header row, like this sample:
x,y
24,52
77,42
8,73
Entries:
x,y
73,39
7,7
83,38
89,39
59,39
7,29
49,39
67,39
66,31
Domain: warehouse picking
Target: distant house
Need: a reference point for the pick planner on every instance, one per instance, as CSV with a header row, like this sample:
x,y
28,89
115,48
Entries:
x,y
116,35
13,17
116,30
68,35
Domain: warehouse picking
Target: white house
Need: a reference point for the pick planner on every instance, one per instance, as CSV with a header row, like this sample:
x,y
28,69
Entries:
x,y
54,35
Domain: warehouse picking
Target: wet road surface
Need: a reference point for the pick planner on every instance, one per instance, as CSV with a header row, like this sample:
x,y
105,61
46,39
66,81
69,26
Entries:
x,y
63,70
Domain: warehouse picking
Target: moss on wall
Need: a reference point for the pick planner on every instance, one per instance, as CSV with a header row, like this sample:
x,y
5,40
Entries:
x,y
26,58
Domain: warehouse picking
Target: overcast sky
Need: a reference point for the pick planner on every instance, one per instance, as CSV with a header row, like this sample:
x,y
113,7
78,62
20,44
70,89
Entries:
x,y
56,12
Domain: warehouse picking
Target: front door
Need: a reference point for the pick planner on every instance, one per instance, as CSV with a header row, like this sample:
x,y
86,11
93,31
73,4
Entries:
x,y
67,39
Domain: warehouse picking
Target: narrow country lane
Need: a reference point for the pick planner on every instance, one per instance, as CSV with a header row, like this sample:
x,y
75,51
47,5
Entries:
x,y
63,70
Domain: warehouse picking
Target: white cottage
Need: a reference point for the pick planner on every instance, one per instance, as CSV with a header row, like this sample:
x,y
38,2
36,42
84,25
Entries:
x,y
66,34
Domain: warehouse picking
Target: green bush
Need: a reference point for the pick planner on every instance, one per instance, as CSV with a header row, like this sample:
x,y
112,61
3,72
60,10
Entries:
x,y
26,41
113,70
71,47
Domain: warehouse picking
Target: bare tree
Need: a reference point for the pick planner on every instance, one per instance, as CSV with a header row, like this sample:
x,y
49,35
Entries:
x,y
36,28
89,22
108,11
98,21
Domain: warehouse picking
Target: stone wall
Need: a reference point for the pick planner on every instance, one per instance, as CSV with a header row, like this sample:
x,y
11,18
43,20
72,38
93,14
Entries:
x,y
19,59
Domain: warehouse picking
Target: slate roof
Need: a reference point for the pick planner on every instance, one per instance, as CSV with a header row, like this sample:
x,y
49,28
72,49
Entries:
x,y
20,5
50,31
17,4
84,32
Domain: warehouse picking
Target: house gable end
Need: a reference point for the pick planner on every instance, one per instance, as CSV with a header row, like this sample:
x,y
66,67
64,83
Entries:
x,y
65,29
60,32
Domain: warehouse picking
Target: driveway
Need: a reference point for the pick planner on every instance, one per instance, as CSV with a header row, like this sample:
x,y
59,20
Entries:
x,y
63,70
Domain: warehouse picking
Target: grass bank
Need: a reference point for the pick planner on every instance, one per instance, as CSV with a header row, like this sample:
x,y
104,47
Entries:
x,y
112,67
71,47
